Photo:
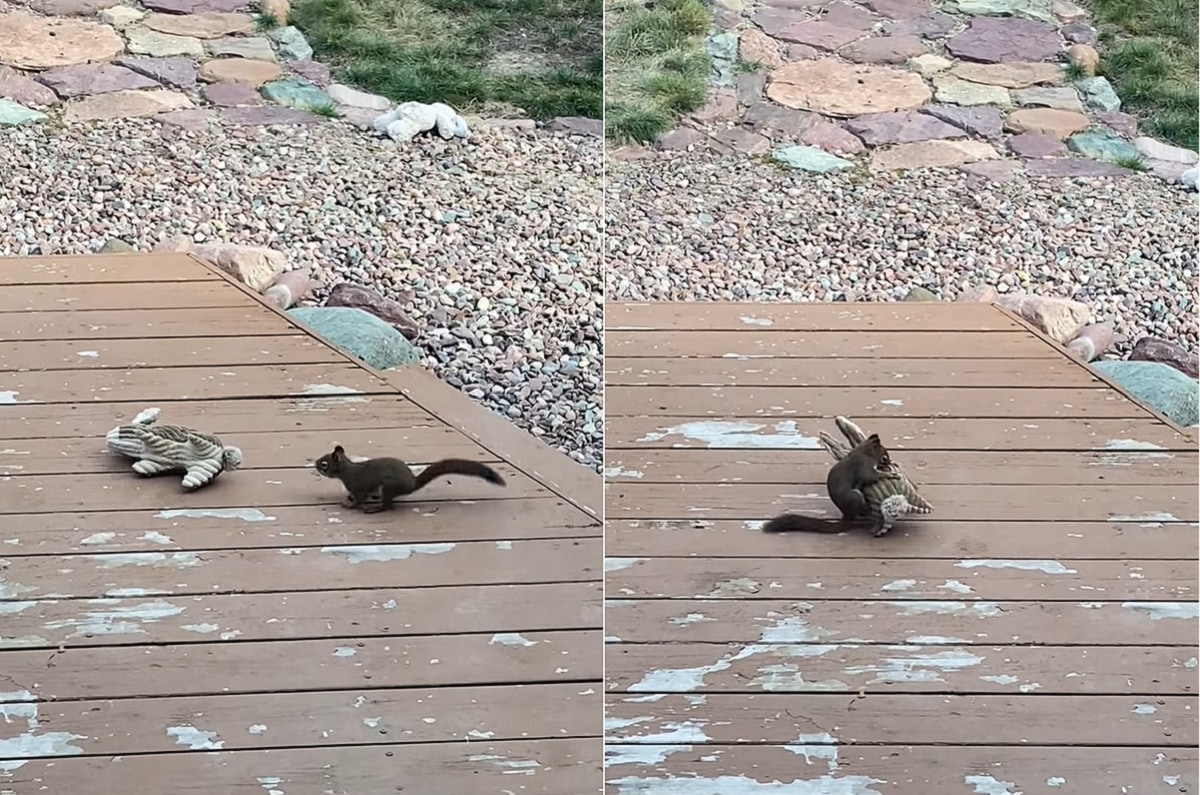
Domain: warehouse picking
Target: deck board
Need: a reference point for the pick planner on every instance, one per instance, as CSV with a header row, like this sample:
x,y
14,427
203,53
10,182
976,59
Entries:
x,y
1057,576
256,635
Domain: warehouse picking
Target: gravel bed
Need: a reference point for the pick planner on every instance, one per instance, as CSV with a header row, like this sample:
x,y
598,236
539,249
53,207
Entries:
x,y
691,226
495,246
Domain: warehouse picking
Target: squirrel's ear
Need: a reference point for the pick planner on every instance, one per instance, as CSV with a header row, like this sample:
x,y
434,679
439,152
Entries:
x,y
873,440
339,450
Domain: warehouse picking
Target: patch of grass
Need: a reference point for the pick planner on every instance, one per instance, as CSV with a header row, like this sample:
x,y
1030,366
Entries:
x,y
1150,55
541,58
656,68
265,22
1133,163
327,110
1075,71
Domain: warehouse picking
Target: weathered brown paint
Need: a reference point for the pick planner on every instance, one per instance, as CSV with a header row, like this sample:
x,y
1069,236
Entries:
x,y
873,344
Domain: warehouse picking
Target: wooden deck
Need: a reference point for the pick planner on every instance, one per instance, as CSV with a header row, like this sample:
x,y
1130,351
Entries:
x,y
1036,634
255,637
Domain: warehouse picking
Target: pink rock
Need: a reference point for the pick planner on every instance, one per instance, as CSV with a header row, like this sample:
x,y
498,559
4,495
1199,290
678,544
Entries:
x,y
722,105
991,170
179,244
821,35
1058,318
1037,145
899,9
828,137
23,90
289,288
1002,39
231,95
982,293
387,310
1153,349
1091,341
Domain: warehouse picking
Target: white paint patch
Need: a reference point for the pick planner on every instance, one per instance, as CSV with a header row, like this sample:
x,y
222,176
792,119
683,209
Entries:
x,y
791,629
821,747
981,609
9,398
1055,781
519,766
757,321
899,585
986,785
329,389
1130,444
12,608
511,639
88,354
892,402
257,729
9,765
10,590
504,545
1001,679
640,754
203,629
195,739
617,564
344,651
1170,781
1144,709
158,560
955,586
717,434
97,538
1147,519
479,735
269,783
1127,459
917,667
933,640
743,785
155,537
124,592
1188,611
388,552
245,514
1044,566
124,620
618,472
681,621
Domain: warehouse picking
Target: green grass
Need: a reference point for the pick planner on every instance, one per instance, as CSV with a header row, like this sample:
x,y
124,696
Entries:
x,y
656,69
540,58
1149,54
327,110
1134,163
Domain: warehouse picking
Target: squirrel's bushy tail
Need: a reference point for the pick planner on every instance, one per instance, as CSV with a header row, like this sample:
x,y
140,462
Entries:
x,y
457,466
798,523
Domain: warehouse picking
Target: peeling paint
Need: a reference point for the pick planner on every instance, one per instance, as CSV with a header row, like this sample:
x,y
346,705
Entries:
x,y
176,560
504,545
743,785
1130,444
8,397
12,608
270,783
933,640
899,585
822,747
1188,611
156,537
982,609
1044,566
956,586
511,639
1001,679
257,729
986,785
1147,519
1144,709
388,552
11,590
717,434
124,620
195,739
681,621
97,538
735,587
203,629
480,735
245,514
123,592
329,389
617,564
32,743
344,651
1127,459
620,472
88,354
674,733
916,668
1055,781
640,754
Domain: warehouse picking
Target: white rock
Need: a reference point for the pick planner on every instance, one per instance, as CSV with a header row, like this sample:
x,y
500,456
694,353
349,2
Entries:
x,y
1191,178
345,95
1157,150
121,17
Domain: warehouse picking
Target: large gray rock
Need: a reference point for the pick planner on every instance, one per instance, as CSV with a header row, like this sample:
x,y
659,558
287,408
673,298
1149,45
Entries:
x,y
360,334
1157,384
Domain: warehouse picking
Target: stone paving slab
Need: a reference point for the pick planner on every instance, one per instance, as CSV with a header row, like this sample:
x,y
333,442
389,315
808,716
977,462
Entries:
x,y
905,84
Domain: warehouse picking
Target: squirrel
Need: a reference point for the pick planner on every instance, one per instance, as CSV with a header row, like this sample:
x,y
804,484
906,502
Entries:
x,y
390,477
862,466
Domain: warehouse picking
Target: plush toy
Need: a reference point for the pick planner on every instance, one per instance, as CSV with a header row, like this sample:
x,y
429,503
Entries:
x,y
159,449
409,118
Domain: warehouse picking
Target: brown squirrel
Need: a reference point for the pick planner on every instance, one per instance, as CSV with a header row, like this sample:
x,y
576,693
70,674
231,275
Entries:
x,y
860,467
390,477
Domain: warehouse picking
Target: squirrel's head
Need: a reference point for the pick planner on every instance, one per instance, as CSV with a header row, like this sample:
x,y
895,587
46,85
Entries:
x,y
330,464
